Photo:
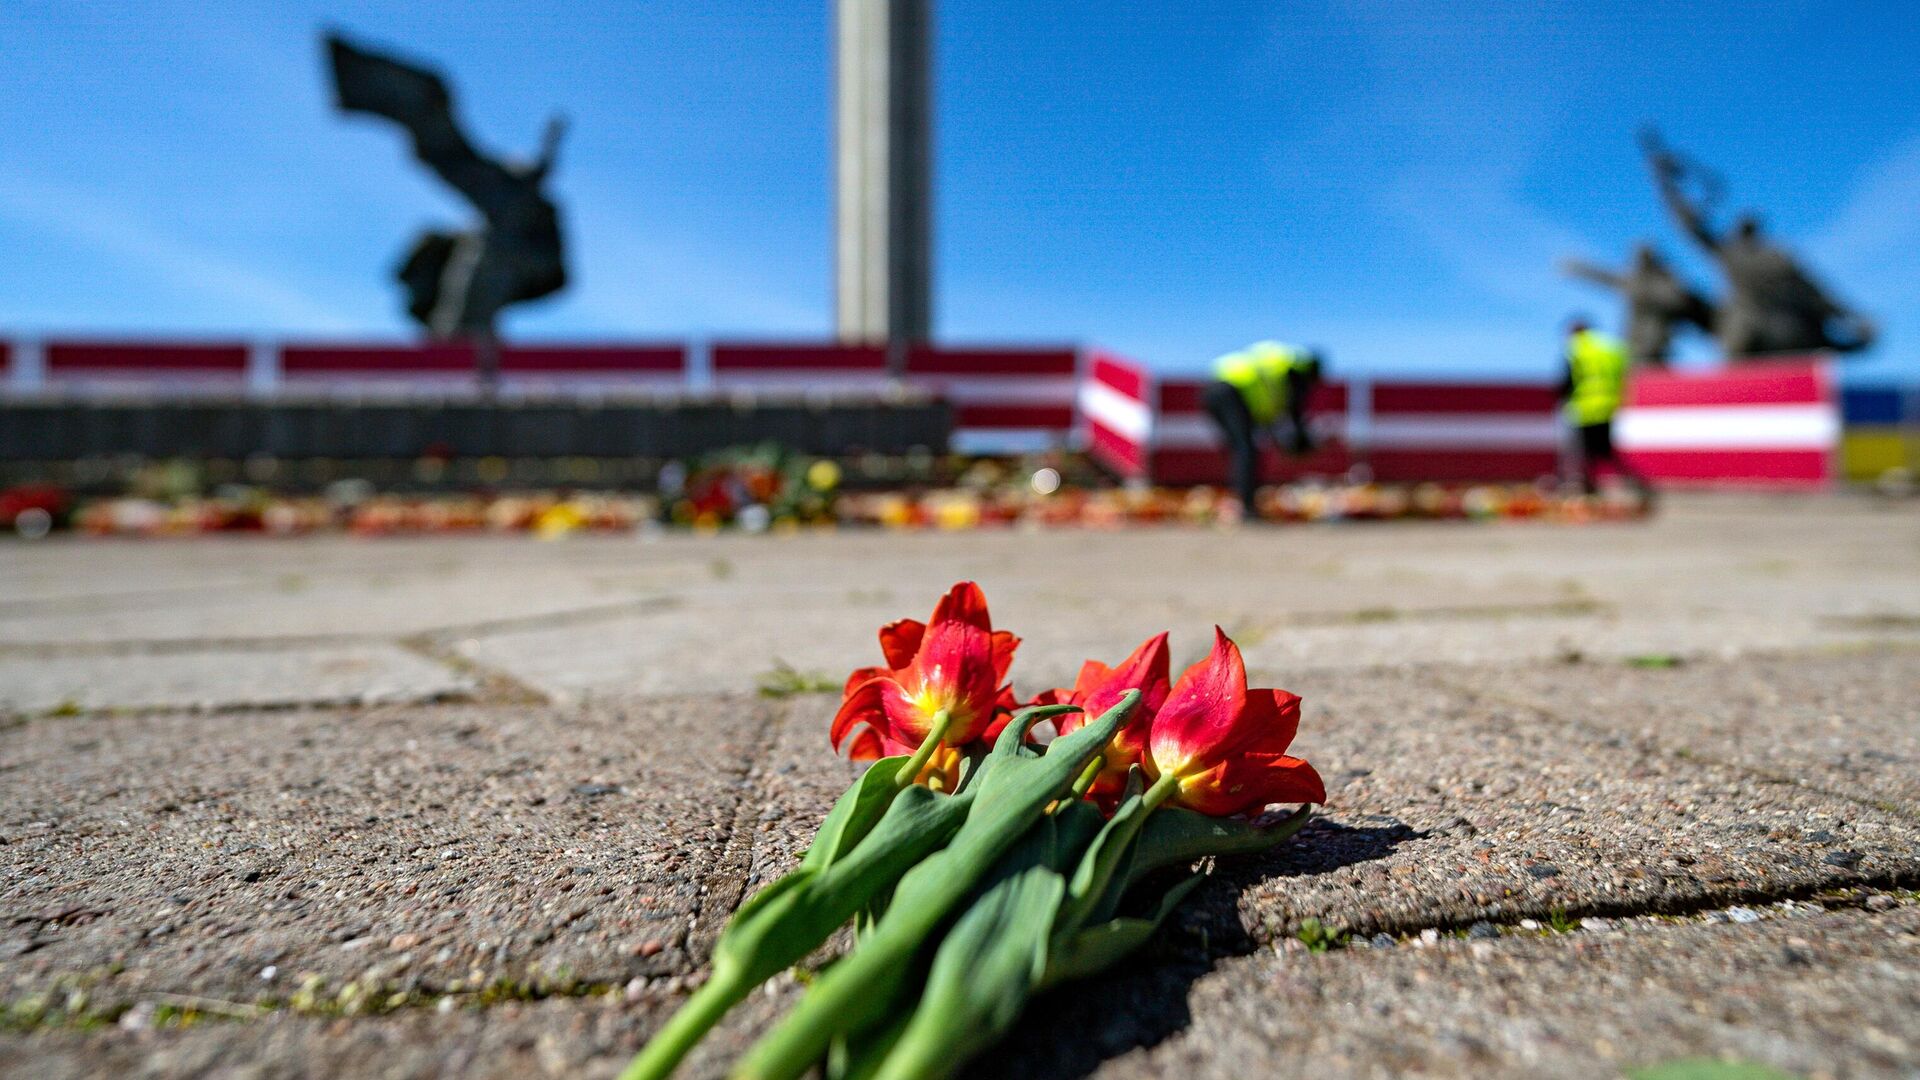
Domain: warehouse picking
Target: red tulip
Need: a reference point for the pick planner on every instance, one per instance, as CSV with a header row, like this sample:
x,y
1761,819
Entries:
x,y
1221,747
945,678
1098,689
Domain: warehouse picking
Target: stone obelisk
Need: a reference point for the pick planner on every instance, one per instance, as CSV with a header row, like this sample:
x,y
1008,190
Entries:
x,y
883,220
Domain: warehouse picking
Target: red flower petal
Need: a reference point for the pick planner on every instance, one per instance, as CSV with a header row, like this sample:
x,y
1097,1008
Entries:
x,y
861,675
1100,688
954,670
864,745
1004,644
1201,710
1243,783
864,705
899,640
1052,697
963,603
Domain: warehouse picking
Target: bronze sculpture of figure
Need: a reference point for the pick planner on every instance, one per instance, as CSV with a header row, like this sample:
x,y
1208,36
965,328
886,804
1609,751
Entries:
x,y
1773,305
1658,301
458,282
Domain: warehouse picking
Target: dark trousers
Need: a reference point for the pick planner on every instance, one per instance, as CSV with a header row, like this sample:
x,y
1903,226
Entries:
x,y
1596,449
1230,415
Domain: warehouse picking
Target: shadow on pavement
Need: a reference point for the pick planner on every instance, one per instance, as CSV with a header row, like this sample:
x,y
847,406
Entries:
x,y
1068,1032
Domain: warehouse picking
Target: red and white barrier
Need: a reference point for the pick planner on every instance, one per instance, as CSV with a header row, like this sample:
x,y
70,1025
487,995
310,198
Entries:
x,y
380,370
1419,431
1005,401
1143,428
1773,425
800,368
1117,404
548,370
144,368
1187,449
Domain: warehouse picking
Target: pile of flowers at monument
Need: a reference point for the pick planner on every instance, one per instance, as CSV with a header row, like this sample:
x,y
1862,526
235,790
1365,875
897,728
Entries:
x,y
711,503
979,864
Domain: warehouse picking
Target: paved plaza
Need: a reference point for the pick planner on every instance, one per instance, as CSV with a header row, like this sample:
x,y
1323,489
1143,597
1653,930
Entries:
x,y
1600,797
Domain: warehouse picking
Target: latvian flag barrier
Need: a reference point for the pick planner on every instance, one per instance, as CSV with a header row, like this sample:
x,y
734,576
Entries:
x,y
1187,448
1774,424
1771,424
144,369
1004,400
802,369
1447,431
1117,404
573,370
377,370
1143,428
449,368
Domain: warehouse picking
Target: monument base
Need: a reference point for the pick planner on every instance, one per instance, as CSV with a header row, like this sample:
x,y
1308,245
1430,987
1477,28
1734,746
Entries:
x,y
57,430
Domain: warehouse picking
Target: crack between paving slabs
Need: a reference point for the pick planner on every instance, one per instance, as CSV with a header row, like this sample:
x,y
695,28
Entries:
x,y
736,884
25,1014
174,646
492,685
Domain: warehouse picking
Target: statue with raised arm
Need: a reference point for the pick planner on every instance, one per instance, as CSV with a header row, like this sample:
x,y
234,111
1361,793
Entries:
x,y
1773,305
458,282
1658,301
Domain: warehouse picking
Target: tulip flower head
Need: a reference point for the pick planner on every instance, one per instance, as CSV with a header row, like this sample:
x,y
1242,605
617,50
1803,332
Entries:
x,y
1098,689
944,679
1221,747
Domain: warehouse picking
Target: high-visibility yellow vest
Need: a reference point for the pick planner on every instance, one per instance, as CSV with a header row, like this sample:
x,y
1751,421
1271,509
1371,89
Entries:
x,y
1599,364
1260,372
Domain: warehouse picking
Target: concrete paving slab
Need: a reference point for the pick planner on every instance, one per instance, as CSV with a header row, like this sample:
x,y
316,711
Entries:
x,y
1829,995
587,1037
223,678
1847,722
1811,993
1446,805
403,848
409,591
690,648
1405,641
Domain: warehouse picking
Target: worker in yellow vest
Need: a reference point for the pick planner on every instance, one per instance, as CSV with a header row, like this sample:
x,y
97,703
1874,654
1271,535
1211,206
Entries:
x,y
1595,383
1251,389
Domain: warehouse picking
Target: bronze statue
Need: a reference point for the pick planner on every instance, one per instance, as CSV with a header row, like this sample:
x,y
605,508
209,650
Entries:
x,y
458,282
1773,305
1658,301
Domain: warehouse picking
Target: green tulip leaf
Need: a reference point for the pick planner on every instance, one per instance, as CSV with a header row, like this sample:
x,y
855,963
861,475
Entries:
x,y
854,813
1176,837
986,966
842,874
1088,952
1010,793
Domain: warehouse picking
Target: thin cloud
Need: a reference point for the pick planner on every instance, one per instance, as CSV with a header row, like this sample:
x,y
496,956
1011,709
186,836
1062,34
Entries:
x,y
1878,228
167,262
1486,235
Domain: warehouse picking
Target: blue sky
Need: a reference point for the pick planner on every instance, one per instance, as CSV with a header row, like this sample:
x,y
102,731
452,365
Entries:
x,y
1393,181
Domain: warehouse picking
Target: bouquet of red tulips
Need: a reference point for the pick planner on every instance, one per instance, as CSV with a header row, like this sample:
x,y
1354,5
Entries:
x,y
979,866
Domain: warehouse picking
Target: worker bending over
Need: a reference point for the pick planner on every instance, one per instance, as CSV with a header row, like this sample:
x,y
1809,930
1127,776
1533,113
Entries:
x,y
1250,390
1595,382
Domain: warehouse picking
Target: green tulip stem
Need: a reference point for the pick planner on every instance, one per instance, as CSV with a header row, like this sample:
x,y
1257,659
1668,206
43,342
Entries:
x,y
1161,791
936,732
1092,773
685,1027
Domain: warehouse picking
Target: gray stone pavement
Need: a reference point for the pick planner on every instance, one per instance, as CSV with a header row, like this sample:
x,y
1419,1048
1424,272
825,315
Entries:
x,y
477,807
